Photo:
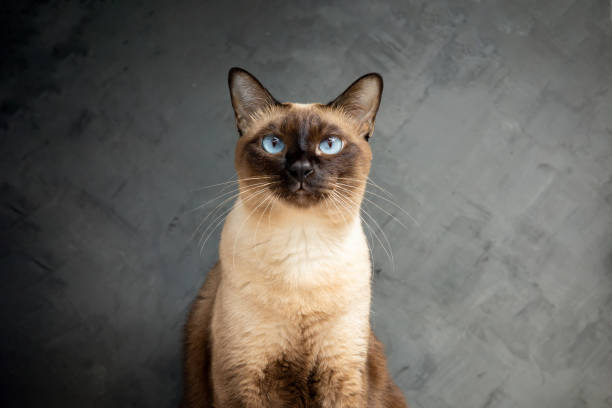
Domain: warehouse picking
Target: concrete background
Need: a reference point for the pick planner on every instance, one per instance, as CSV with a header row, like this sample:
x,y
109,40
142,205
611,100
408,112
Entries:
x,y
495,133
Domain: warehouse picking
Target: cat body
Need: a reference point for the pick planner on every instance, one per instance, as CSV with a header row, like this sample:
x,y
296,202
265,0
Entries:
x,y
283,319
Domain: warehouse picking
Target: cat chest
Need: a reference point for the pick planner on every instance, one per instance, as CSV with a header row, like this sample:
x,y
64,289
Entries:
x,y
291,380
298,372
297,253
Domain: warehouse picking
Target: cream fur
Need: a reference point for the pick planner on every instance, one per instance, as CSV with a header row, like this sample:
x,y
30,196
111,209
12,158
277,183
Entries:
x,y
315,275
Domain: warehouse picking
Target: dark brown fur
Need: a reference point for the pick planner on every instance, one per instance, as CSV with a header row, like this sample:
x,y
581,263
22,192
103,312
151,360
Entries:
x,y
302,131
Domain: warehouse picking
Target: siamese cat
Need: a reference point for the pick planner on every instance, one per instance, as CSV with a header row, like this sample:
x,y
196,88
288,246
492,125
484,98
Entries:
x,y
283,318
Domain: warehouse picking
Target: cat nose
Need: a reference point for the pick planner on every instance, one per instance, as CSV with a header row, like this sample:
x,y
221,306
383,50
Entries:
x,y
300,169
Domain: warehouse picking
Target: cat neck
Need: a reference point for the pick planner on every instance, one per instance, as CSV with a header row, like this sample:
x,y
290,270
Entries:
x,y
295,251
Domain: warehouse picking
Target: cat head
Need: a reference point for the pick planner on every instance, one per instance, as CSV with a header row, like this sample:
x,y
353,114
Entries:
x,y
303,155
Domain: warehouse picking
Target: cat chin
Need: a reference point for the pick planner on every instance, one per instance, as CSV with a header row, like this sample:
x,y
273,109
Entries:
x,y
303,196
303,199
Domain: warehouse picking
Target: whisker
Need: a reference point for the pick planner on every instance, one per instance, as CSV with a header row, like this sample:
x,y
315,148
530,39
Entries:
x,y
221,218
398,207
216,225
335,203
369,227
274,197
387,212
369,181
389,252
226,200
240,229
231,182
381,209
220,196
269,200
249,188
386,238
370,247
390,202
213,212
232,179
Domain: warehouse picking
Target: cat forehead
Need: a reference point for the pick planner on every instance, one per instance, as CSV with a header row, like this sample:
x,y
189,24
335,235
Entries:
x,y
301,118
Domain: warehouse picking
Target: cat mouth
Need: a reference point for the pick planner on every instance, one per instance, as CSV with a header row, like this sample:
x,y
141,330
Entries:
x,y
300,188
303,194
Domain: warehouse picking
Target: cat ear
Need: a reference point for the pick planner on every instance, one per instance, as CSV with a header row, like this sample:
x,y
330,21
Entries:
x,y
361,101
248,97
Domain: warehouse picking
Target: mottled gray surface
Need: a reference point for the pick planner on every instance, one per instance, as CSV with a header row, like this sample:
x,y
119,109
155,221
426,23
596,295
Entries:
x,y
495,132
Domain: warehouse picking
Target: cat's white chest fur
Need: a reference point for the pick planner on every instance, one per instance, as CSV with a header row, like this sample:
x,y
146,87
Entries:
x,y
301,287
295,249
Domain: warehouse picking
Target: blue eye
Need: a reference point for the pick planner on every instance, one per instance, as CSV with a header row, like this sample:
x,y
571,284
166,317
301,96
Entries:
x,y
331,145
272,144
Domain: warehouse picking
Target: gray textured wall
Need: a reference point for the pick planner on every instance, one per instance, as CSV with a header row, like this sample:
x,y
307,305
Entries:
x,y
495,133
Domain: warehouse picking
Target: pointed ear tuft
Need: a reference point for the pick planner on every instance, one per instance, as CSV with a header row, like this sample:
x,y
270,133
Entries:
x,y
248,97
361,101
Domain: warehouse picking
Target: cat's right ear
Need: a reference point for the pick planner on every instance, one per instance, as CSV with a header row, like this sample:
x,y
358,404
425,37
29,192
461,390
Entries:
x,y
361,101
248,97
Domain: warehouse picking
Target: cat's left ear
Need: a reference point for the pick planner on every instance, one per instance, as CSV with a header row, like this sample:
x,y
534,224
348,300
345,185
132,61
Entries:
x,y
361,101
248,97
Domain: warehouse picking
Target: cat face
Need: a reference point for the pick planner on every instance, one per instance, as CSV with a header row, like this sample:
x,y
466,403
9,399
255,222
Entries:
x,y
304,155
